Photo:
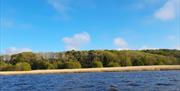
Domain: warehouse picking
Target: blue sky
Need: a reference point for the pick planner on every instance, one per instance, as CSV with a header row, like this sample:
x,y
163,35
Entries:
x,y
59,25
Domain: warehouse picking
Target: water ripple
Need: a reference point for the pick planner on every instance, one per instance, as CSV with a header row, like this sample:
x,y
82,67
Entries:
x,y
104,81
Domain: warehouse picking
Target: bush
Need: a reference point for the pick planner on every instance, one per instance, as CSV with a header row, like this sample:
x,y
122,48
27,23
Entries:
x,y
59,65
9,68
158,62
137,63
42,65
97,64
113,64
6,67
22,66
72,65
126,62
50,66
2,65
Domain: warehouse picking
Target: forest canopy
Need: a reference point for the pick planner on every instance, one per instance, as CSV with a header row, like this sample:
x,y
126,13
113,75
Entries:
x,y
88,59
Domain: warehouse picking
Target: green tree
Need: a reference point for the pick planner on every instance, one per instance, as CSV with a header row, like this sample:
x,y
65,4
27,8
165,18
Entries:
x,y
97,64
126,61
44,64
72,65
137,62
6,66
113,64
25,57
23,66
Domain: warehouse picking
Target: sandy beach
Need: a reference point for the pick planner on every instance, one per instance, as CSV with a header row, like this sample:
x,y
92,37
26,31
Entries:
x,y
108,69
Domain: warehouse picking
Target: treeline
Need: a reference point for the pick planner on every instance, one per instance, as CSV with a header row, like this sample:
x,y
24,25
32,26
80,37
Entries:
x,y
165,52
89,59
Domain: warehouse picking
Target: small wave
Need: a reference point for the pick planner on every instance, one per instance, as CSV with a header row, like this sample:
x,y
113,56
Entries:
x,y
20,84
126,81
164,84
113,89
133,84
174,80
87,86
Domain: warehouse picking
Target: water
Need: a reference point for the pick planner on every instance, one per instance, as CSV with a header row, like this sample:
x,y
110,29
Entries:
x,y
105,81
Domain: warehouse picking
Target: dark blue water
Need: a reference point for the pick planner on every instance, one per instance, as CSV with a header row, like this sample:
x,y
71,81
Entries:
x,y
105,81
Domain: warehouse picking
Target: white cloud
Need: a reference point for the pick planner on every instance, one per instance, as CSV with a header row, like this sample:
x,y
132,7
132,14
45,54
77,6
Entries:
x,y
14,50
6,23
174,40
171,37
121,43
178,47
147,47
65,7
153,48
76,41
61,6
9,23
168,11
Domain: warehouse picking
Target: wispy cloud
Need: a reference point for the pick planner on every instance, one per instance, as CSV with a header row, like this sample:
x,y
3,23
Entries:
x,y
6,23
76,41
10,23
145,47
174,40
168,11
14,50
121,43
65,7
143,4
61,6
178,47
172,37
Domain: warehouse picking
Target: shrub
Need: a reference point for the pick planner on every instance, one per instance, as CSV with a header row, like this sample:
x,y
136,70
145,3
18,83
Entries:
x,y
137,63
159,62
2,65
22,66
126,62
6,67
72,65
59,65
42,65
9,68
113,64
97,64
50,66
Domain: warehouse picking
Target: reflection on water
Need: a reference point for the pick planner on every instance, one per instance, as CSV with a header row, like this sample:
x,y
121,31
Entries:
x,y
105,81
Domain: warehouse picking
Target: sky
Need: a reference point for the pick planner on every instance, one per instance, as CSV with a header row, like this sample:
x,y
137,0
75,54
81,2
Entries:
x,y
61,25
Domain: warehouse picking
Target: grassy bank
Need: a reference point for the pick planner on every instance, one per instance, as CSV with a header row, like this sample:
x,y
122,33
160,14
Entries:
x,y
108,69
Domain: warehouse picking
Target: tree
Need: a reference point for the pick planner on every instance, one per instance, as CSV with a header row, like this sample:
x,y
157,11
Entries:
x,y
3,65
113,64
92,58
42,65
97,64
25,57
126,61
23,66
108,57
72,65
137,62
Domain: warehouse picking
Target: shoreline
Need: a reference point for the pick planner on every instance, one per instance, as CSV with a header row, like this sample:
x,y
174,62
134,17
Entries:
x,y
86,70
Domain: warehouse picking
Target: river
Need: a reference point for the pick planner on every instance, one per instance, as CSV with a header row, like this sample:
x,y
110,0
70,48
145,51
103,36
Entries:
x,y
102,81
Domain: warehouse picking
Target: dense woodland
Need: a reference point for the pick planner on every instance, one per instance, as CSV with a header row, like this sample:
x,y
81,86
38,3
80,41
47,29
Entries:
x,y
88,59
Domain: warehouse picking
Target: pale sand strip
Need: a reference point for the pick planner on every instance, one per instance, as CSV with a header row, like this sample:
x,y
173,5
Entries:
x,y
108,69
